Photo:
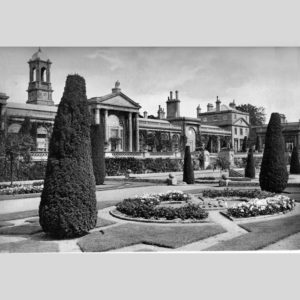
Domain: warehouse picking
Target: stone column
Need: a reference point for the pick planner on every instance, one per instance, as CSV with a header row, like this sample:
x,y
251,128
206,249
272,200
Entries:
x,y
218,144
137,133
130,131
97,116
105,125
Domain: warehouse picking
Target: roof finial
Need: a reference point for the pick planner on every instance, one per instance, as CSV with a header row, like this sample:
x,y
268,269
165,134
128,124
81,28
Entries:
x,y
117,84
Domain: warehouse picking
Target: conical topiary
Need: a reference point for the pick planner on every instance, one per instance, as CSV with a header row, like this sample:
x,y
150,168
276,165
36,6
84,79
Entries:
x,y
188,171
257,144
250,166
273,176
98,155
68,202
295,165
244,146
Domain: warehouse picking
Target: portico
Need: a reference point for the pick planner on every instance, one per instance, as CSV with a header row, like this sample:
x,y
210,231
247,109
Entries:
x,y
118,115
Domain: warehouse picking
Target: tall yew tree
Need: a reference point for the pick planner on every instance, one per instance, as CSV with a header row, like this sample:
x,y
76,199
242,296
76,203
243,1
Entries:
x,y
98,155
273,176
188,170
68,202
295,165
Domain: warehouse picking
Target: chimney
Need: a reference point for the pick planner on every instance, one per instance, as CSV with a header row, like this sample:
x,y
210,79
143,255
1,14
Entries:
x,y
171,95
176,95
198,110
232,104
209,107
145,115
218,104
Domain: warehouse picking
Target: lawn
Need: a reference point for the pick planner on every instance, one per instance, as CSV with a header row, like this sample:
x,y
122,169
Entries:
x,y
18,215
159,235
29,246
261,234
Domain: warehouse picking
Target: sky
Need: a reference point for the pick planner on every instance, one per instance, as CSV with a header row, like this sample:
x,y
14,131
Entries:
x,y
268,77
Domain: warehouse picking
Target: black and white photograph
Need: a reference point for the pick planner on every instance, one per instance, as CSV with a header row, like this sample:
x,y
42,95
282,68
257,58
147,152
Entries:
x,y
149,149
155,149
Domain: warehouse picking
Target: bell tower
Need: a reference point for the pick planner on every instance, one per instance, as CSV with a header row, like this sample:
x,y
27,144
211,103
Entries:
x,y
39,88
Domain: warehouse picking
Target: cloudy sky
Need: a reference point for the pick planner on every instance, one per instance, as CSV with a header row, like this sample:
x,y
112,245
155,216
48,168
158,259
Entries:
x,y
268,77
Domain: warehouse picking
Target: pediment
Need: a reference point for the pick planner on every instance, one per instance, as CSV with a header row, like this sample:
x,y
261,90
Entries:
x,y
241,122
120,100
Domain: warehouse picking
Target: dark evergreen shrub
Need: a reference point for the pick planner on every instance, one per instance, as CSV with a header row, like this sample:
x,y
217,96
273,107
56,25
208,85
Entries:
x,y
295,165
68,201
257,145
273,176
244,146
98,155
250,166
188,172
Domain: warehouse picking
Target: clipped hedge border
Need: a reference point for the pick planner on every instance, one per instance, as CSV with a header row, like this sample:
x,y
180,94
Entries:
x,y
117,214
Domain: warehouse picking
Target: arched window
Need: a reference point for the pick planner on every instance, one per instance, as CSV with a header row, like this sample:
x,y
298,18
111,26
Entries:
x,y
115,133
34,74
191,138
44,74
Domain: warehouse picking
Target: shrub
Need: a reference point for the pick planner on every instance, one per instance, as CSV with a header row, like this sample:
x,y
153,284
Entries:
x,y
273,176
237,193
268,206
118,166
250,167
68,201
98,155
188,172
257,144
244,146
295,165
146,207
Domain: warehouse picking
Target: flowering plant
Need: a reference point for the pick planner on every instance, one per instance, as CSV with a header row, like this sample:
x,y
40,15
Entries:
x,y
267,206
21,189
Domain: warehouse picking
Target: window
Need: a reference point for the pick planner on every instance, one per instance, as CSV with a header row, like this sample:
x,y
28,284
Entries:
x,y
215,118
235,130
43,75
241,131
225,117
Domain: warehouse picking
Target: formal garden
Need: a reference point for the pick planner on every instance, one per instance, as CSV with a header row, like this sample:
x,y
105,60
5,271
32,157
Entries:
x,y
220,210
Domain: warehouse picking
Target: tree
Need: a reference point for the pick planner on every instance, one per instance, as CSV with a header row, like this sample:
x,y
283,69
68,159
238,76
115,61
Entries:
x,y
68,202
98,155
244,146
188,171
295,165
257,144
273,176
250,166
257,114
15,147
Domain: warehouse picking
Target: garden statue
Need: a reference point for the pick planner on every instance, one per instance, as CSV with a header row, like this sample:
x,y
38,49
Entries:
x,y
206,159
172,180
127,174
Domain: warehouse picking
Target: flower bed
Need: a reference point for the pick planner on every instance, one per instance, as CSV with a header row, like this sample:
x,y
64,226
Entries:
x,y
257,207
253,193
147,207
36,187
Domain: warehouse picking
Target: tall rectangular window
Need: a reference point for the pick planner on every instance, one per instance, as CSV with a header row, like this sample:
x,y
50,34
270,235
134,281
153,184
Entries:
x,y
241,131
235,130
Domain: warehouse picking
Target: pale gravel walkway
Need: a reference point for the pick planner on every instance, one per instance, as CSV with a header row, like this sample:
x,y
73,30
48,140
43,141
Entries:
x,y
16,205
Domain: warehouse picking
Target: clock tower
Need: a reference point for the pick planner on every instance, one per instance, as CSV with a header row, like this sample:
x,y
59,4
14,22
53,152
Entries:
x,y
39,88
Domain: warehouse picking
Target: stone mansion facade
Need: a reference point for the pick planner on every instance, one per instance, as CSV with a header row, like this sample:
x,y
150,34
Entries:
x,y
125,129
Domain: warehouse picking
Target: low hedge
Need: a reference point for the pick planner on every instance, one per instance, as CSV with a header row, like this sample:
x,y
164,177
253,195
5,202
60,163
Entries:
x,y
254,193
118,166
146,207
